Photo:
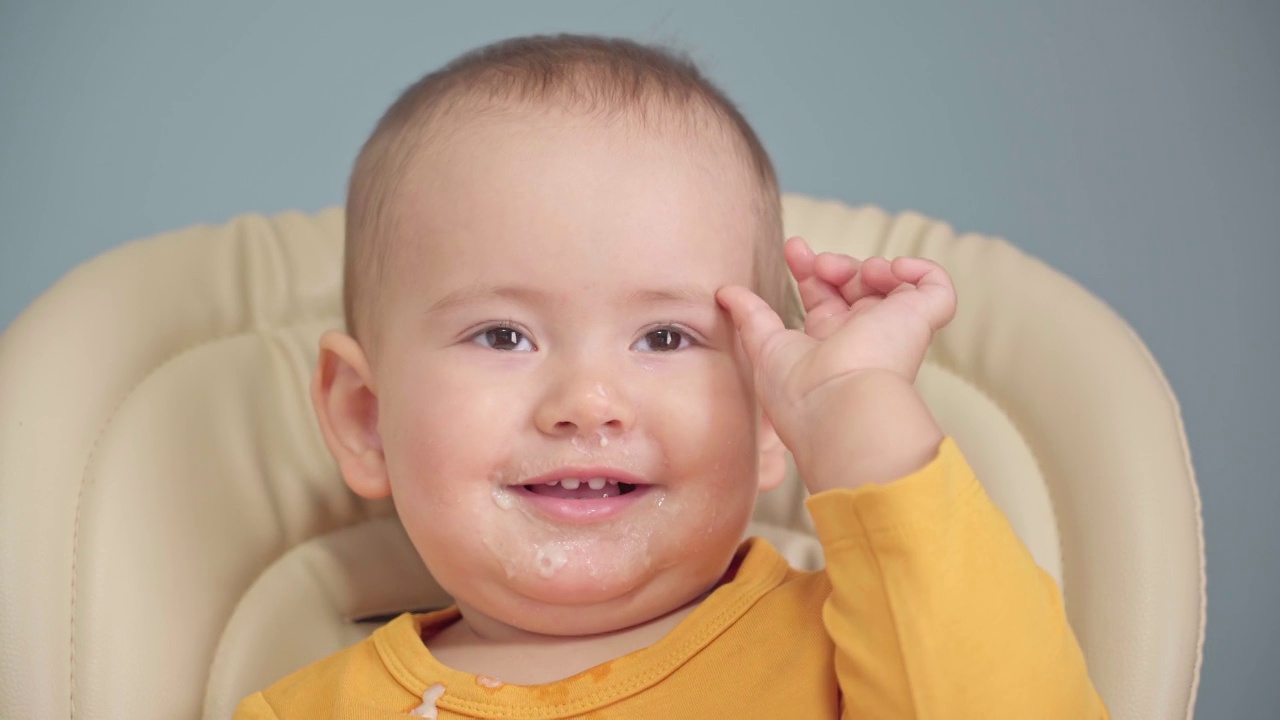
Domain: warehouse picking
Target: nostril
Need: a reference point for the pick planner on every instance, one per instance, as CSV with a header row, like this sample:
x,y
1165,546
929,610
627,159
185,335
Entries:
x,y
587,411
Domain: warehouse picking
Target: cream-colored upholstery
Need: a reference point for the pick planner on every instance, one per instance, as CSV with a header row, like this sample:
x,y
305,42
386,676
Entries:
x,y
173,534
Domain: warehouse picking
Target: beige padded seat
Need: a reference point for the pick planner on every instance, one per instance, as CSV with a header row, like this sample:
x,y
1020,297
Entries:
x,y
173,534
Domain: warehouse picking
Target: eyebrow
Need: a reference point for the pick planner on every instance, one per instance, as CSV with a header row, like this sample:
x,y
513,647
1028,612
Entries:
x,y
466,295
684,294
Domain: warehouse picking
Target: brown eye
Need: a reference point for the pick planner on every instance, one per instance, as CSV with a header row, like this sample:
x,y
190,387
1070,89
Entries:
x,y
504,338
664,340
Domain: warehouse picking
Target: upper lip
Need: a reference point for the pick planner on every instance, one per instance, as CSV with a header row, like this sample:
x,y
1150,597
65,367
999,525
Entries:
x,y
583,474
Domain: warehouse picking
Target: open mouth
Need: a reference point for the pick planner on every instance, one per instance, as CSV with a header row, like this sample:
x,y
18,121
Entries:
x,y
597,488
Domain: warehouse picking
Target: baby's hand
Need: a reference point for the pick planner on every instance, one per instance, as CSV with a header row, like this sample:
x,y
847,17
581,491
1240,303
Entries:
x,y
866,322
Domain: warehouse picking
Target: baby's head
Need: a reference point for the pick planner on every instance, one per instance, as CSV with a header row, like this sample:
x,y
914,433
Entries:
x,y
537,370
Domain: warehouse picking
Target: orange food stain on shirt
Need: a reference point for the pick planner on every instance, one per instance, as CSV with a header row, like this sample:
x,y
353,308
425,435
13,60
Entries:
x,y
600,672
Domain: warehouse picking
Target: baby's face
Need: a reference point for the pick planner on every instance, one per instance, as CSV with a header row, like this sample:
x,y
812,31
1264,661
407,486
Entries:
x,y
567,421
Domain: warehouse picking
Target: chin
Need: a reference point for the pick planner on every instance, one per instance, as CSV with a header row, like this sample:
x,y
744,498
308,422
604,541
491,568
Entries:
x,y
563,620
576,604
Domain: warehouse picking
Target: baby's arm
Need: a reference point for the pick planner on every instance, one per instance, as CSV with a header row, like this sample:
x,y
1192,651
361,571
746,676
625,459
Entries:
x,y
938,611
936,608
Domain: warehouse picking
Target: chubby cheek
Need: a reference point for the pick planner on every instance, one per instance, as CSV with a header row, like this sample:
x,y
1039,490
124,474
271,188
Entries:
x,y
709,439
714,419
441,436
448,415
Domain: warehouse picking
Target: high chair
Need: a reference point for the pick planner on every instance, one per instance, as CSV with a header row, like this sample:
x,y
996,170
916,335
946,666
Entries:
x,y
174,534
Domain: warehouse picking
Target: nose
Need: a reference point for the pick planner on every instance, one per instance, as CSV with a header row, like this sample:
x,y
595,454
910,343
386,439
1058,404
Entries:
x,y
583,404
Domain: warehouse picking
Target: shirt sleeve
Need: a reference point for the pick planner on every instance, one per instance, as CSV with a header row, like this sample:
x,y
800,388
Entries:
x,y
937,610
254,707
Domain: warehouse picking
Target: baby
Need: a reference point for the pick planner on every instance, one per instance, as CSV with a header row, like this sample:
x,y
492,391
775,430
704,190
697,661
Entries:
x,y
567,363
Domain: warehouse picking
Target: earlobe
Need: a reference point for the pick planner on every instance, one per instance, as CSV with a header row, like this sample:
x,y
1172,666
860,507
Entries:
x,y
773,456
346,407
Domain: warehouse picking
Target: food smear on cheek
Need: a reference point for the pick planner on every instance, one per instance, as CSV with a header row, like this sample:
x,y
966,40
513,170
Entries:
x,y
504,497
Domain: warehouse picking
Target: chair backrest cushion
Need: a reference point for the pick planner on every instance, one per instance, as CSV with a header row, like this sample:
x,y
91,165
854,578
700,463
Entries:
x,y
174,535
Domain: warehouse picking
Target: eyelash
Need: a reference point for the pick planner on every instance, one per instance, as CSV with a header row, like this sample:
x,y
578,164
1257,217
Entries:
x,y
512,327
688,338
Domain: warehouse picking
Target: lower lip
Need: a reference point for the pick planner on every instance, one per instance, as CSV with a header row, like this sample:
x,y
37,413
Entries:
x,y
581,511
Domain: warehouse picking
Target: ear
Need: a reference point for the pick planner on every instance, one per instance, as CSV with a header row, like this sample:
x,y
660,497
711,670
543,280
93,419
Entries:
x,y
346,405
773,455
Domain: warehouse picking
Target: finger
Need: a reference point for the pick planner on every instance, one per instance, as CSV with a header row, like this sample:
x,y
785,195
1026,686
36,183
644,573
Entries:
x,y
933,283
820,297
836,268
756,322
878,276
816,294
831,270
920,271
869,280
799,258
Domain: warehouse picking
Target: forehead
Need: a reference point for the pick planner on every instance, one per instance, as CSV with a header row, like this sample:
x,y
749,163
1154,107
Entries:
x,y
564,199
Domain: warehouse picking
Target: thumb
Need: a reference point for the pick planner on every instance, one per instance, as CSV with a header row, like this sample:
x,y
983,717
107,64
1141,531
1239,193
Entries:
x,y
756,322
772,349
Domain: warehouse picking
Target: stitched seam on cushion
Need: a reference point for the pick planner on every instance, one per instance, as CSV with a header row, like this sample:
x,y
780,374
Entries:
x,y
93,451
1167,391
1141,348
1196,508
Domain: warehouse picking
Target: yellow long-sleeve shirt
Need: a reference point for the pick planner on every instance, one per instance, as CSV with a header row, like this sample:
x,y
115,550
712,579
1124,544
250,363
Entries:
x,y
929,607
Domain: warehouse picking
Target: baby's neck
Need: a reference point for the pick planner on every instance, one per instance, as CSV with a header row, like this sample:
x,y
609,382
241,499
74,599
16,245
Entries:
x,y
520,658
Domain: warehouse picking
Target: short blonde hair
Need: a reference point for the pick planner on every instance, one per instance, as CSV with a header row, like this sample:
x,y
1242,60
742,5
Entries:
x,y
605,77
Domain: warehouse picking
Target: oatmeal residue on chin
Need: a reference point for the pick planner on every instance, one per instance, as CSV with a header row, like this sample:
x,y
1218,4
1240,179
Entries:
x,y
549,559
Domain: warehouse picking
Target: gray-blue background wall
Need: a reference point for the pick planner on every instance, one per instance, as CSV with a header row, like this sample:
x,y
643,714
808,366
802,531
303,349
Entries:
x,y
1133,144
